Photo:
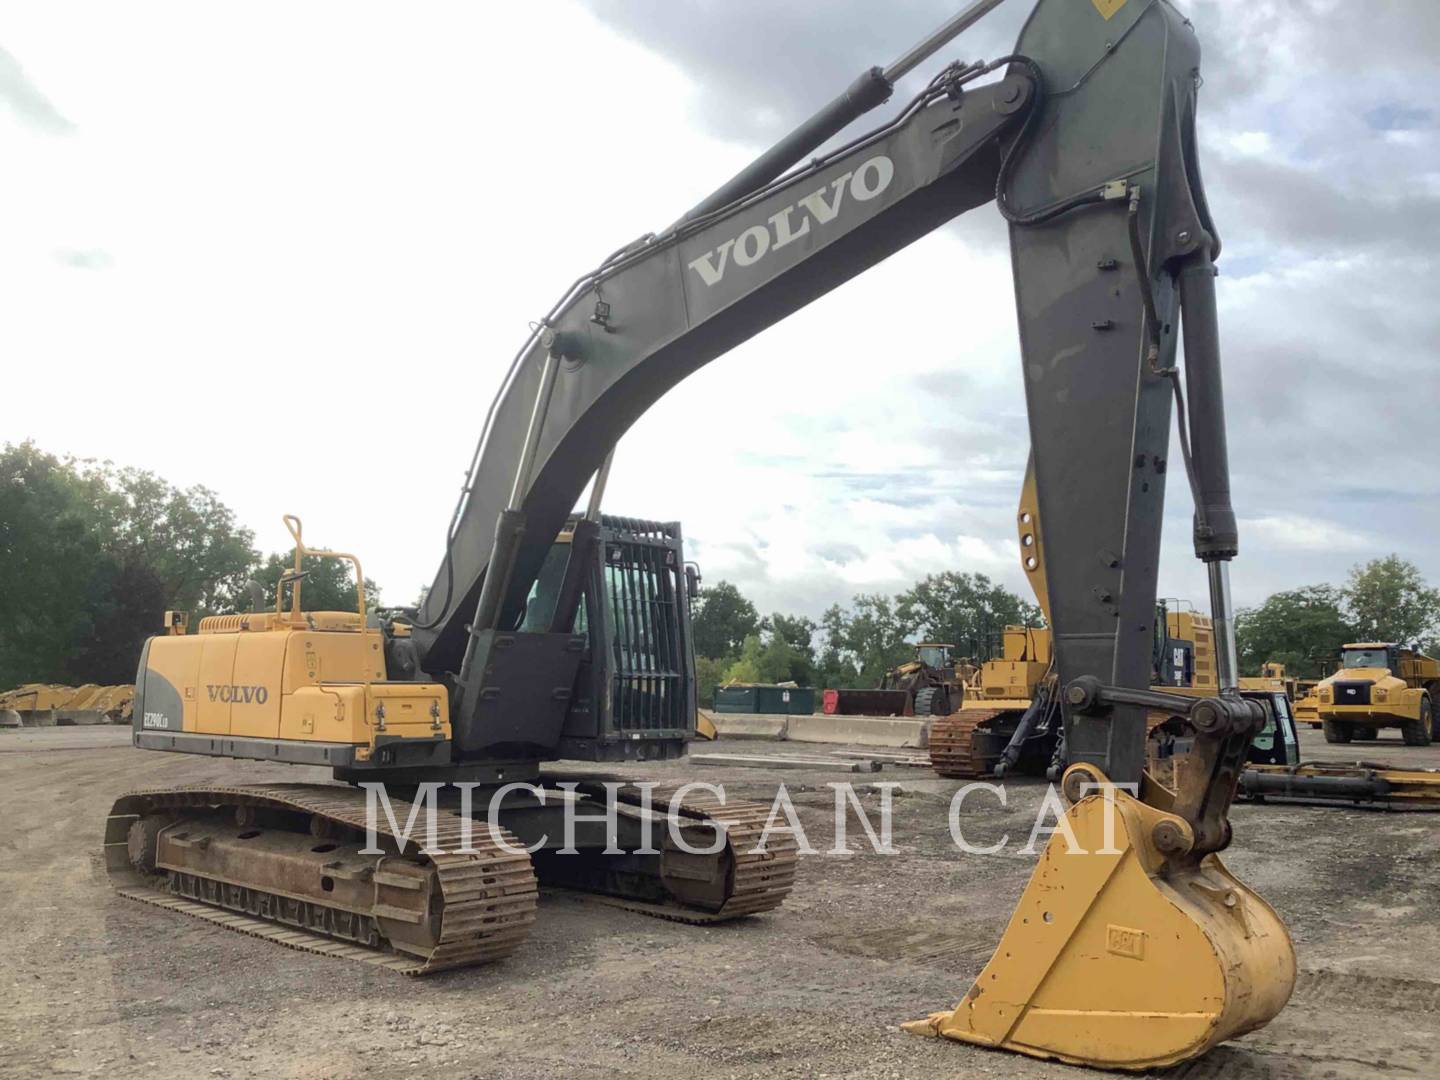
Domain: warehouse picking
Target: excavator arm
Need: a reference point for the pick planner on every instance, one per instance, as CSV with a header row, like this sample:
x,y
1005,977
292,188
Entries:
x,y
1085,139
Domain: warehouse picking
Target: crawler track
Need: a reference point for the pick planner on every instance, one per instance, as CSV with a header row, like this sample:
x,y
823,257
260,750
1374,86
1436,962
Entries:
x,y
758,880
449,909
955,752
474,908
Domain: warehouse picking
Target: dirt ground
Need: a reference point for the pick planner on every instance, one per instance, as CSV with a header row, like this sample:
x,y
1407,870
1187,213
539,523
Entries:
x,y
95,984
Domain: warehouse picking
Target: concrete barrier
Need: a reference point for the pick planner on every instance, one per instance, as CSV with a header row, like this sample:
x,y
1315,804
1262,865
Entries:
x,y
906,732
899,732
749,725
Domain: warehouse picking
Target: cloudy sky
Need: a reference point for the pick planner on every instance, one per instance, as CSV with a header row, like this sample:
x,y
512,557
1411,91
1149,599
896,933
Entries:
x,y
287,251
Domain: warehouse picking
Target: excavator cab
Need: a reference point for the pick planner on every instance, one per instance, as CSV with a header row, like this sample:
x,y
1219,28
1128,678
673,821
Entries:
x,y
634,691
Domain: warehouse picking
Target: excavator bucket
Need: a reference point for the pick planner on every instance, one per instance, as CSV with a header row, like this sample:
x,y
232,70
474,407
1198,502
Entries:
x,y
1116,959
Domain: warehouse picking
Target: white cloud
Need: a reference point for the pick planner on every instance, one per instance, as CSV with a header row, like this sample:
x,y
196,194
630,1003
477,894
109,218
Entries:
x,y
1251,142
1303,534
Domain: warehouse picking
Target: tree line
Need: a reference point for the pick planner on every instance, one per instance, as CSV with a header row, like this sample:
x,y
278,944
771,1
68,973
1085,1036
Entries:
x,y
1384,599
851,645
92,555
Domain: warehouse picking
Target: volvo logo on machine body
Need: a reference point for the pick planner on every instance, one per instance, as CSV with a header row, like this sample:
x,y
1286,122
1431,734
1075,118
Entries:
x,y
230,694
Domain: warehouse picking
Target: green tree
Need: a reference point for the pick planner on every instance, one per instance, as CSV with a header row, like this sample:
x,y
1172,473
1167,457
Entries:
x,y
798,631
836,667
91,555
328,585
125,608
709,673
188,539
790,648
721,621
770,659
745,668
966,610
863,643
1390,601
1300,628
52,561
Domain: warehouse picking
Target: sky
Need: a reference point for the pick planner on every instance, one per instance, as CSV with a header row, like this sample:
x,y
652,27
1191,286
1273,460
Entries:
x,y
288,250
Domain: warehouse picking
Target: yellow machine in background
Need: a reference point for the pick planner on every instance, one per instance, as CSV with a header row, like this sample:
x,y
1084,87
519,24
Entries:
x,y
1307,702
1010,680
1380,685
1192,633
46,705
1272,677
933,682
970,742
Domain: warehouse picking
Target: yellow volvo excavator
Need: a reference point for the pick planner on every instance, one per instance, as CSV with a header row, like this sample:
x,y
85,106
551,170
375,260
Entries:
x,y
1141,952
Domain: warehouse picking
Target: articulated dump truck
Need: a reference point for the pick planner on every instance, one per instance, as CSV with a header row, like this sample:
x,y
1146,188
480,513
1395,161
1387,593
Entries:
x,y
1380,685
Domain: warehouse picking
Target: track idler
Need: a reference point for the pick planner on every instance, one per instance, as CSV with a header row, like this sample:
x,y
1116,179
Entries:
x,y
1128,952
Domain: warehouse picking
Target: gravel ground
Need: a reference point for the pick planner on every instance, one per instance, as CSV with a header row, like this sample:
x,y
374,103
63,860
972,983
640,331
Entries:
x,y
94,984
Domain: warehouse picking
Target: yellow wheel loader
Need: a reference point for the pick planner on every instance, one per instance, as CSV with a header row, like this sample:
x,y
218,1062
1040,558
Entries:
x,y
931,683
1141,952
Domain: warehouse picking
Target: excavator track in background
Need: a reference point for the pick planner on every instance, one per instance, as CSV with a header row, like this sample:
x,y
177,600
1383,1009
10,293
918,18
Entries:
x,y
755,881
959,748
310,887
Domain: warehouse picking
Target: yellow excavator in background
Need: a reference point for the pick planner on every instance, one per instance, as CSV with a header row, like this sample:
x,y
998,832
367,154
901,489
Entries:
x,y
1140,951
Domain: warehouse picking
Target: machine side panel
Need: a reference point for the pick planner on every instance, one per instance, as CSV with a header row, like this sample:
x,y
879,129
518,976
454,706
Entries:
x,y
255,692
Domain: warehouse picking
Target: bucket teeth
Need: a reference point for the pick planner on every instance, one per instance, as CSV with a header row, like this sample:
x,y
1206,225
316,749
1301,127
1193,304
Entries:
x,y
1116,959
